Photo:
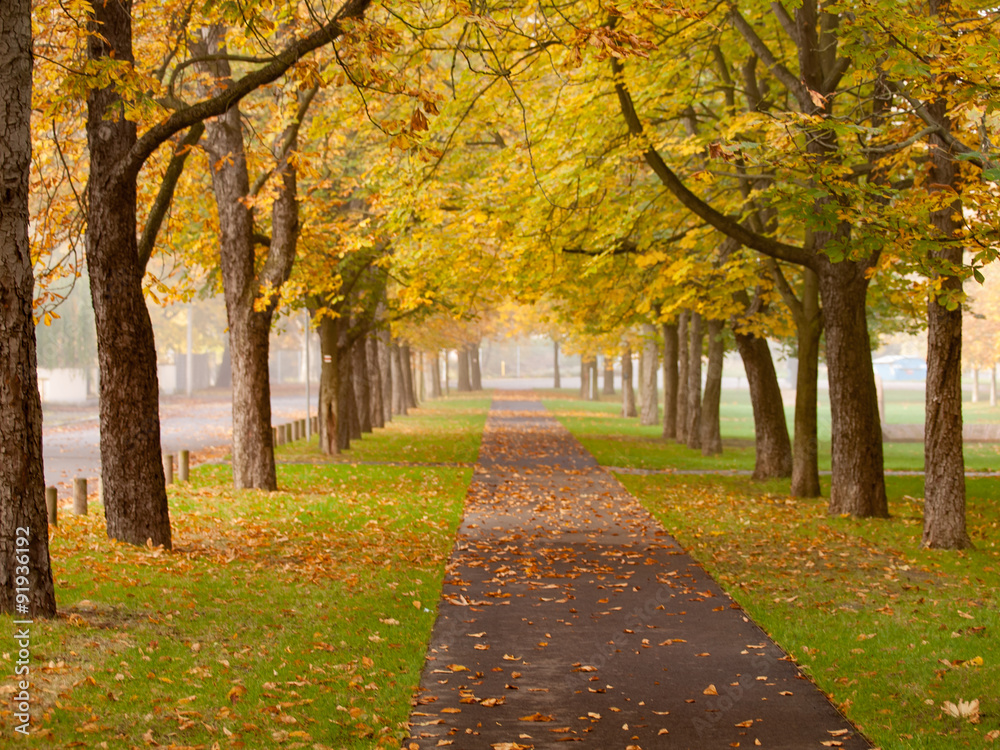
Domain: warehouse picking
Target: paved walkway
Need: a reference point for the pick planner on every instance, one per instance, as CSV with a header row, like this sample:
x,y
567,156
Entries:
x,y
570,615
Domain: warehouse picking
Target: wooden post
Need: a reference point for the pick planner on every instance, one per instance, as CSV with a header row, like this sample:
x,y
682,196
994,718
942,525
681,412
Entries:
x,y
274,436
168,468
302,429
80,496
52,505
281,434
183,464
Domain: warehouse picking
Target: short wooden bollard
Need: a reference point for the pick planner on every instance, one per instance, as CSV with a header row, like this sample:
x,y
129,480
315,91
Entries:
x,y
302,429
183,465
281,434
52,505
296,431
168,468
80,496
274,436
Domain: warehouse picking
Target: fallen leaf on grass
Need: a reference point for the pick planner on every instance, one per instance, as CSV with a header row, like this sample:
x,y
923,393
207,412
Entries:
x,y
236,693
963,710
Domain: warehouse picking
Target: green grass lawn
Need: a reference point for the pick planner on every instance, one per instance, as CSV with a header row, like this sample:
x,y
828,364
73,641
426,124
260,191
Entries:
x,y
295,619
624,442
890,631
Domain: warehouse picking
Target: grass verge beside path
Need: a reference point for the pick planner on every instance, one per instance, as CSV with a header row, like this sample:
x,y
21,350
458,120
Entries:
x,y
295,619
889,630
614,441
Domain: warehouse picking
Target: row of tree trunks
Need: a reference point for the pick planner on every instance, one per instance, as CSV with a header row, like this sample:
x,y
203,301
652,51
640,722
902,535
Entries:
x,y
22,479
628,390
356,383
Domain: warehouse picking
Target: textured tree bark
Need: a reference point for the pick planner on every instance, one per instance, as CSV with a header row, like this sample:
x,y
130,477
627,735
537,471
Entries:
x,y
773,448
464,382
609,376
22,479
135,495
398,384
670,375
436,375
944,460
649,409
406,364
694,382
329,386
475,372
628,391
711,431
385,370
556,380
805,453
362,379
376,413
682,375
857,482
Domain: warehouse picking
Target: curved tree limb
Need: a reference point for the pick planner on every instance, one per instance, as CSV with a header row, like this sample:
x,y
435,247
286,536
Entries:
x,y
725,224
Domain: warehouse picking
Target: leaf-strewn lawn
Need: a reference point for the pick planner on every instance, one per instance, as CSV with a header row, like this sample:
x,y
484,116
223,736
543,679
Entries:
x,y
295,619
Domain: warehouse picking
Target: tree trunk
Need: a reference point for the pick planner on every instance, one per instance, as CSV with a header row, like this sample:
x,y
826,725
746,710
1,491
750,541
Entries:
x,y
436,375
362,392
773,448
594,393
805,456
475,373
406,365
135,498
398,384
975,385
682,375
376,411
648,407
609,376
694,382
944,460
556,381
628,392
584,377
22,478
464,384
329,386
347,405
857,483
385,370
249,323
670,375
711,430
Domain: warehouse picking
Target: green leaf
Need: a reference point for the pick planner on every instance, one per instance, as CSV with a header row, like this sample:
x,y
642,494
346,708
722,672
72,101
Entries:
x,y
992,174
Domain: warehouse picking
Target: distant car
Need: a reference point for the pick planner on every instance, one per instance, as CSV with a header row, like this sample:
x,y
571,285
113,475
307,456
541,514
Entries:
x,y
898,367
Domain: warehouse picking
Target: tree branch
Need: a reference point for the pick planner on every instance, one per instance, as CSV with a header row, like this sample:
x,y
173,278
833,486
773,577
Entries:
x,y
794,85
725,224
166,194
153,138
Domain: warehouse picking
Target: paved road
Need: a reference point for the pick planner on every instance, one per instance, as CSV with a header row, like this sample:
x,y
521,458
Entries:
x,y
71,438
